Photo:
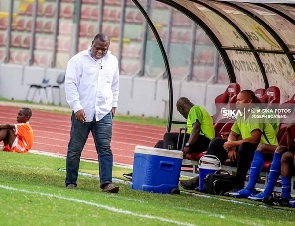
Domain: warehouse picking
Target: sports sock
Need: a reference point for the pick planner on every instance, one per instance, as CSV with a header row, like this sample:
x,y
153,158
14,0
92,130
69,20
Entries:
x,y
286,187
274,174
256,167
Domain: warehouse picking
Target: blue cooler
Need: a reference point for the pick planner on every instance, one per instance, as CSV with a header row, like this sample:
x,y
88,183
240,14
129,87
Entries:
x,y
156,170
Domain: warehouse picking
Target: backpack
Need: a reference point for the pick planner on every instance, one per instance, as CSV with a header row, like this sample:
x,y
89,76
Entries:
x,y
219,182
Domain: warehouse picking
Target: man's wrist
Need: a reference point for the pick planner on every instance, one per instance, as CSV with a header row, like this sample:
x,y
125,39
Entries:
x,y
187,144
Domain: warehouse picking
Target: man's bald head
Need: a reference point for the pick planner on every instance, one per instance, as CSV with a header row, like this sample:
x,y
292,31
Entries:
x,y
184,105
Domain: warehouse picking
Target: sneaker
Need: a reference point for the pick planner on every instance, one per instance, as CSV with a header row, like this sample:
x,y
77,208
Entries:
x,y
292,202
243,193
276,201
231,191
128,175
71,186
191,184
258,197
111,188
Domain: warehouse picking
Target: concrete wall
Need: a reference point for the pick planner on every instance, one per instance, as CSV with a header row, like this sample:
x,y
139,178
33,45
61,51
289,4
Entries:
x,y
139,96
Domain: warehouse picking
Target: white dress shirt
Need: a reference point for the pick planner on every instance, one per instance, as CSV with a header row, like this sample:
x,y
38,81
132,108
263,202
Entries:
x,y
92,85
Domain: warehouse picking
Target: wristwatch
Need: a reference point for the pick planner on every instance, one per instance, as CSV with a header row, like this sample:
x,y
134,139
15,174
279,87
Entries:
x,y
187,144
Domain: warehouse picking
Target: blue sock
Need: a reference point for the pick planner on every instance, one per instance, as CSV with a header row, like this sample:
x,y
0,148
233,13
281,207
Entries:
x,y
256,167
274,173
286,187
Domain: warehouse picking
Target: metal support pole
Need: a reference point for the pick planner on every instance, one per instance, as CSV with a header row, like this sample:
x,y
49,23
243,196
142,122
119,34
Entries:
x,y
192,52
100,15
121,34
33,29
8,34
56,33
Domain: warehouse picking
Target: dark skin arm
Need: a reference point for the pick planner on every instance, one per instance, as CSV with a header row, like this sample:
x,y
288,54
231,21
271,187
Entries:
x,y
113,111
290,142
7,126
193,137
232,143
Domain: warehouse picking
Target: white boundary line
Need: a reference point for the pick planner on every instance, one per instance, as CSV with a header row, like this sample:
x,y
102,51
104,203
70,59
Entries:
x,y
82,159
108,208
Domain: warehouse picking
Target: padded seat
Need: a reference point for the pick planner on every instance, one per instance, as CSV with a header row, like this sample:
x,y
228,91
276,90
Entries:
x,y
259,93
226,99
272,96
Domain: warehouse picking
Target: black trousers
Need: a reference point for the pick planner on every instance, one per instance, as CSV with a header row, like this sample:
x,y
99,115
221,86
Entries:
x,y
245,154
170,141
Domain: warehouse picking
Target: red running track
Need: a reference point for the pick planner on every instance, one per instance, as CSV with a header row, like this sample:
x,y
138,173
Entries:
x,y
52,130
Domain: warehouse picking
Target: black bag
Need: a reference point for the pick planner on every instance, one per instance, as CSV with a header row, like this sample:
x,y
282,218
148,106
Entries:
x,y
219,182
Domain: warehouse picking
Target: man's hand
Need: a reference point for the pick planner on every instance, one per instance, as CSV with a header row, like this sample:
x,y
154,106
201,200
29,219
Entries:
x,y
228,145
113,112
185,151
80,116
232,155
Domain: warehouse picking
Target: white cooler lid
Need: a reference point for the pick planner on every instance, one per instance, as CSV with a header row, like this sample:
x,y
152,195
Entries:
x,y
158,152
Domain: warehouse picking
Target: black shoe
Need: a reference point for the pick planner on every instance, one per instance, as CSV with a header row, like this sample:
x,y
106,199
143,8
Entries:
x,y
276,201
191,184
128,176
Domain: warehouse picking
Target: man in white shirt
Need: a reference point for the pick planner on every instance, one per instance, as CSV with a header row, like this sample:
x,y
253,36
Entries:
x,y
92,89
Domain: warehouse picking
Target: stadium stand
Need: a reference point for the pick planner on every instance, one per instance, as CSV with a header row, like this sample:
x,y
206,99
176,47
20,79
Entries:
x,y
2,55
16,57
86,12
129,18
91,30
67,12
30,9
48,27
49,10
26,42
138,18
94,14
3,23
83,29
65,28
16,41
21,24
114,15
2,39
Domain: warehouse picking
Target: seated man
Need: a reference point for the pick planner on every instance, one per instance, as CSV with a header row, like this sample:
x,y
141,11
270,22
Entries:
x,y
246,133
287,171
287,168
199,133
18,137
200,130
263,151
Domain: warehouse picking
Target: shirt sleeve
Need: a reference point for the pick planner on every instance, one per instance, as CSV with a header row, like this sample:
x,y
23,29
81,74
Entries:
x,y
235,128
71,85
115,88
